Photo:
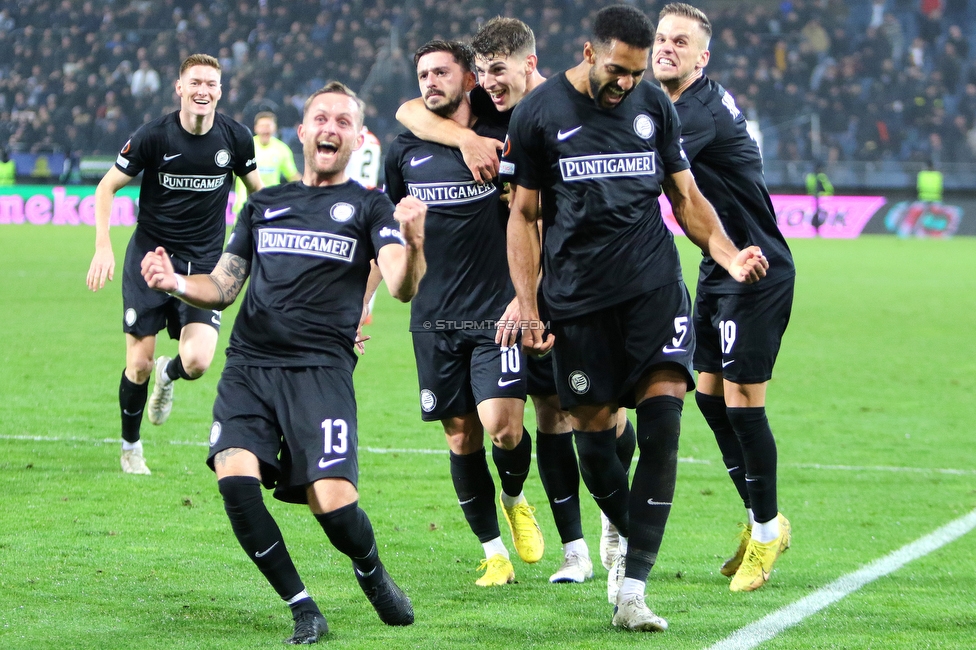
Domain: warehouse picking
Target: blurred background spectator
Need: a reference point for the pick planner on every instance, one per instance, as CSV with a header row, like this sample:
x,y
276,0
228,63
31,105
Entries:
x,y
883,83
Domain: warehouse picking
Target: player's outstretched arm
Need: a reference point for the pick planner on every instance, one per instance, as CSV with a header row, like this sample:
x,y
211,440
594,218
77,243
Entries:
x,y
523,264
480,154
403,266
103,263
217,290
698,219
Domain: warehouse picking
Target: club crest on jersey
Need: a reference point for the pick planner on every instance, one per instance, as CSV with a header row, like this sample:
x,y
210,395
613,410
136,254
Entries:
x,y
222,158
342,212
427,400
306,242
579,382
643,126
214,433
450,193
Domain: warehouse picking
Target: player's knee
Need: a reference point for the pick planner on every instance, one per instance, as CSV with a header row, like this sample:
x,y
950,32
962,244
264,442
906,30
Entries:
x,y
463,443
507,437
195,363
138,369
330,494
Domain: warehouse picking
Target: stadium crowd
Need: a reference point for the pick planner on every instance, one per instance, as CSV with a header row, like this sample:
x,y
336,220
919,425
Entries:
x,y
886,79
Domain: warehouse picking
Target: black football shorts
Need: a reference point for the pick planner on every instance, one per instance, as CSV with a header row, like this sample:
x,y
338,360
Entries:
x,y
146,311
599,357
299,422
739,335
459,369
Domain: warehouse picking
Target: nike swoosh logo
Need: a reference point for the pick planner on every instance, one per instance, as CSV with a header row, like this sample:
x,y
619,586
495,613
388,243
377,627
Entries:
x,y
323,464
132,415
466,501
215,320
262,554
667,349
419,161
563,500
727,363
652,502
562,135
169,157
503,384
516,473
271,214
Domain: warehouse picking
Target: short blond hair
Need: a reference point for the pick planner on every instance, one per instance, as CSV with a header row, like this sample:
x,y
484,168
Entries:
x,y
687,11
199,59
338,88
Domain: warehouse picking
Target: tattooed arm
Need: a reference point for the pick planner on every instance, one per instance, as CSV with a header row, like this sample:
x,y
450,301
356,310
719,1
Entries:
x,y
214,291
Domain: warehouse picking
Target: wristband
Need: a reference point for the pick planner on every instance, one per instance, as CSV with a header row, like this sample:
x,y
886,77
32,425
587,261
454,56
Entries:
x,y
180,289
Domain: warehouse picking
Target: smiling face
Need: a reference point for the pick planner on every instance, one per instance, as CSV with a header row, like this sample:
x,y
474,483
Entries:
x,y
505,78
443,82
329,133
615,70
680,50
199,90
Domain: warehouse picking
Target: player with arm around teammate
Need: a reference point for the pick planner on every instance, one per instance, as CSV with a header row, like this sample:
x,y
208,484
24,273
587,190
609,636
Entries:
x,y
285,413
600,144
507,65
188,159
738,326
469,383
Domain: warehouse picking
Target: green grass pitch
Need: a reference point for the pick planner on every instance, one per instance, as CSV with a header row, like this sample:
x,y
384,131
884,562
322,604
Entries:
x,y
871,403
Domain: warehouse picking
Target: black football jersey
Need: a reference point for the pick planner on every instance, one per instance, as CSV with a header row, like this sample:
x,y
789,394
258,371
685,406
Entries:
x,y
309,249
728,168
186,181
467,277
600,173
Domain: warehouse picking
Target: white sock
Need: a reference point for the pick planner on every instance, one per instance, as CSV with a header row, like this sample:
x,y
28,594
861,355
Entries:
x,y
752,516
163,376
495,547
766,532
577,546
623,545
301,595
129,446
630,587
508,501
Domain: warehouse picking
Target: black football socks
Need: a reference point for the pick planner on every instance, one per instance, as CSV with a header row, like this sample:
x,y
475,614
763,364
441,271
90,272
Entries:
x,y
132,402
658,428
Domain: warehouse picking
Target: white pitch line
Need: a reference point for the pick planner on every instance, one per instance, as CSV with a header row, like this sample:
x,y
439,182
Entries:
x,y
771,625
689,460
880,468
